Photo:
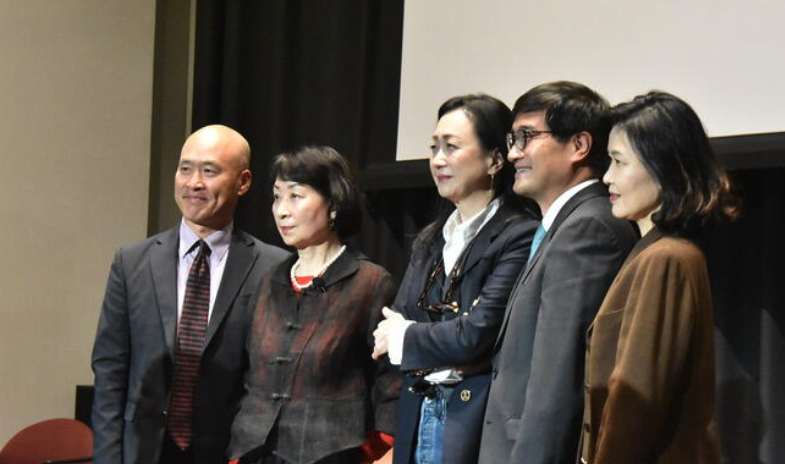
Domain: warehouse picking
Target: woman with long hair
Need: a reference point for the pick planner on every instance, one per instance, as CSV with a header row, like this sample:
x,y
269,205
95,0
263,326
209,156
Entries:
x,y
452,300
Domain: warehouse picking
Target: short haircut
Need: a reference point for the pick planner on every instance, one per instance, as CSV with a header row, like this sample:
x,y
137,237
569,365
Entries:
x,y
326,171
673,146
571,108
492,120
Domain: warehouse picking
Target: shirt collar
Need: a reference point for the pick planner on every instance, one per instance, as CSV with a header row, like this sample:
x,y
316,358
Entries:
x,y
218,241
470,227
561,200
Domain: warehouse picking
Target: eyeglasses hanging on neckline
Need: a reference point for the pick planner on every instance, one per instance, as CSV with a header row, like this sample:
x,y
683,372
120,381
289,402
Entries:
x,y
446,305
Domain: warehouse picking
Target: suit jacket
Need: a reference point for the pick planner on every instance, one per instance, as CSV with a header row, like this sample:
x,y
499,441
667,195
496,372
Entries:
x,y
496,257
650,361
133,355
536,398
312,385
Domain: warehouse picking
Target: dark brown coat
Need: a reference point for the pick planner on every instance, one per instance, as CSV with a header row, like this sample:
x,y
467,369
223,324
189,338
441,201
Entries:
x,y
650,361
312,383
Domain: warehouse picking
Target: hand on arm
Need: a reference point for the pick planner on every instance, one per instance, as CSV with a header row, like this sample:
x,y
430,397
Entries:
x,y
469,338
389,335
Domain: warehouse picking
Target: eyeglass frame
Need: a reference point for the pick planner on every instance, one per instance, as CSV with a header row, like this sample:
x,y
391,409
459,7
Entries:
x,y
525,136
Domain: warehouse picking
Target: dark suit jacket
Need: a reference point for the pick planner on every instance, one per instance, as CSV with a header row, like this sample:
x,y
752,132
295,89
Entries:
x,y
312,384
536,399
650,361
133,355
497,256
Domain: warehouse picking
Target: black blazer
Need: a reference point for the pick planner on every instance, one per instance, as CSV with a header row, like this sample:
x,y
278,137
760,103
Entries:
x,y
133,355
463,339
535,404
312,384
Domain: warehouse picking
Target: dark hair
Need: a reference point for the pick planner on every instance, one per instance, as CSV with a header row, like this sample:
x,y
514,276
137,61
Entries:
x,y
571,108
326,171
491,120
674,148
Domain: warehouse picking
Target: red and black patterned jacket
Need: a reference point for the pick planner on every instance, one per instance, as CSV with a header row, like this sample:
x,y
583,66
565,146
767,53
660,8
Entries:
x,y
312,383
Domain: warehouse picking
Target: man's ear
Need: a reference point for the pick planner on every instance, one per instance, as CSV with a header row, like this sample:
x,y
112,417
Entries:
x,y
245,182
582,143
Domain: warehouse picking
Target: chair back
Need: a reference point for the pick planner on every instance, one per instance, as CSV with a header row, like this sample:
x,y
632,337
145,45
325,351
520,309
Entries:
x,y
50,440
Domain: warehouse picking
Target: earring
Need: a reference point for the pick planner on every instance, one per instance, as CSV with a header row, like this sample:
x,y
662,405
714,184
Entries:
x,y
490,189
332,220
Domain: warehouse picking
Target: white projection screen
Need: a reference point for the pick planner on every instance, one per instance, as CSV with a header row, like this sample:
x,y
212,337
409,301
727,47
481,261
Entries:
x,y
725,57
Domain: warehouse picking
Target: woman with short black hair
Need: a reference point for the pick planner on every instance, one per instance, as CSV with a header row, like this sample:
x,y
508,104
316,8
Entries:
x,y
313,393
650,351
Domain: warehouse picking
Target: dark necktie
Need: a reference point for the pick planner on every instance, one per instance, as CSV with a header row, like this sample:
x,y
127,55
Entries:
x,y
191,334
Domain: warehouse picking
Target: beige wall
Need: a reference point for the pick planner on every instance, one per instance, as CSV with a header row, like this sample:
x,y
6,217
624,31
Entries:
x,y
75,113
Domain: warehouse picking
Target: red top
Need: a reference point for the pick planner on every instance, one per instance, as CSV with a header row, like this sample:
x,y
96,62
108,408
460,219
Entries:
x,y
302,281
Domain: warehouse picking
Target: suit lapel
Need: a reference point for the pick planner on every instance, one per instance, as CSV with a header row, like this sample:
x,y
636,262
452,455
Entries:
x,y
593,190
239,262
427,258
485,237
163,267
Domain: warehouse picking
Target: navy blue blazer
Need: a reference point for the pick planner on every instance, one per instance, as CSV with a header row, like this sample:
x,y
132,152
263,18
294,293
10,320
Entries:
x,y
464,339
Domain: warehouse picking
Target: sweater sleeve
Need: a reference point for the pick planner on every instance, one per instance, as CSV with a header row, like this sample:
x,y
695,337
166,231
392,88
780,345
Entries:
x,y
386,383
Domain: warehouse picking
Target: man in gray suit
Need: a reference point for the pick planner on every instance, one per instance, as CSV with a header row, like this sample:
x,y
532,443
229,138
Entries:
x,y
558,145
141,340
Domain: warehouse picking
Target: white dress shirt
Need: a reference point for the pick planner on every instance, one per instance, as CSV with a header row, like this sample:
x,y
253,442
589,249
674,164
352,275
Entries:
x,y
457,235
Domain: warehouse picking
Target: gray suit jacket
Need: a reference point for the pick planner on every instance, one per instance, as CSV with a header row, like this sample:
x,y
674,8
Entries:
x,y
536,399
133,355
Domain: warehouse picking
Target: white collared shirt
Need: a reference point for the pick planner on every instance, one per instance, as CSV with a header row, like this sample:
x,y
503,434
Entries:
x,y
456,235
218,242
561,200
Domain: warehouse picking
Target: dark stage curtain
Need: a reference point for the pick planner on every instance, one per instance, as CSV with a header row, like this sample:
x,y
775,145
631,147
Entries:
x,y
287,73
292,72
747,265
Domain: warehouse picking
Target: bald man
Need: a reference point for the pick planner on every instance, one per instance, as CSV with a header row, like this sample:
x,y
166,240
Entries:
x,y
149,407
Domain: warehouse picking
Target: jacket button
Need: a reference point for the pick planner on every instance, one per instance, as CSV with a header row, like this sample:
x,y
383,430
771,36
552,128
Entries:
x,y
495,372
586,427
586,388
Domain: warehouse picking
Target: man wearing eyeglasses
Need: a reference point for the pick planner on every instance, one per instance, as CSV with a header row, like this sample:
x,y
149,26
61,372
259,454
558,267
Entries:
x,y
558,145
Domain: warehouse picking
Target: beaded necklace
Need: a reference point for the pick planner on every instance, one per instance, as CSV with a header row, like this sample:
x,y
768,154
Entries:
x,y
293,273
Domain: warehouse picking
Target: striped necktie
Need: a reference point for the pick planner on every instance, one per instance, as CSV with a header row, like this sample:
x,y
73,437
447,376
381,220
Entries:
x,y
191,334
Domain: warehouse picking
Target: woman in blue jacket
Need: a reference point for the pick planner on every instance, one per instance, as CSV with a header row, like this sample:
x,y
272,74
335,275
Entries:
x,y
451,302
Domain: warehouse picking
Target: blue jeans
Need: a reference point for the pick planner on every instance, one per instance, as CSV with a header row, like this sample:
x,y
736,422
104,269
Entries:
x,y
430,433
